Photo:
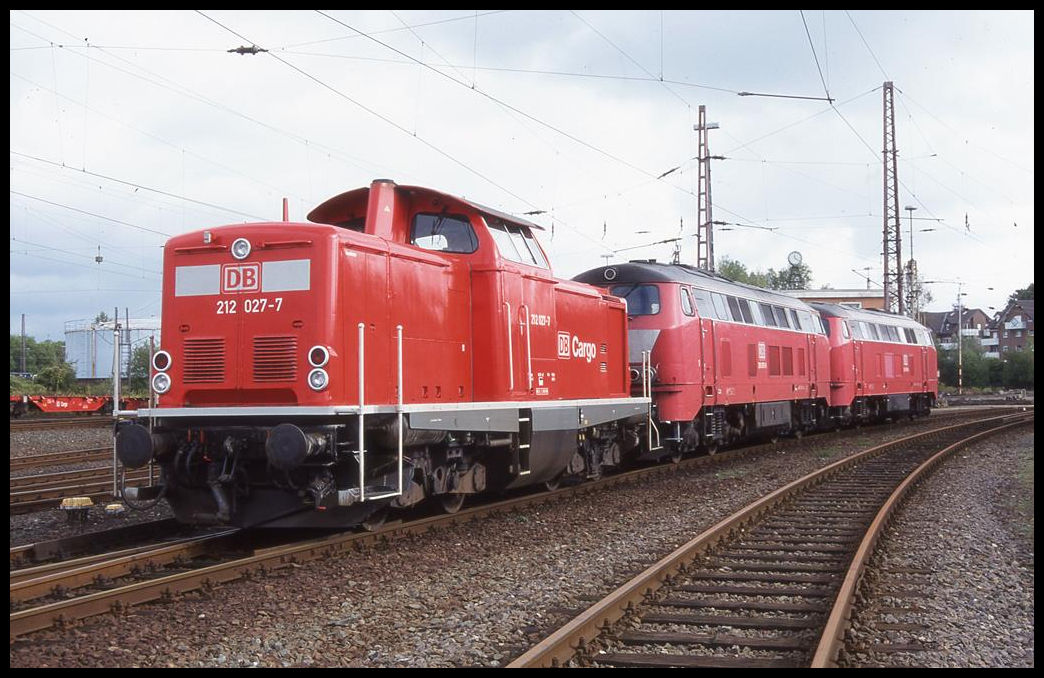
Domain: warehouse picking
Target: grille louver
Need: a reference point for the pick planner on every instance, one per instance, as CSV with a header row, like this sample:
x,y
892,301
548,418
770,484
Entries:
x,y
204,361
275,358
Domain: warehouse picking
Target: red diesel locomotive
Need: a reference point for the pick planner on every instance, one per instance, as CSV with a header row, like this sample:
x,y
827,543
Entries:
x,y
730,361
406,344
880,364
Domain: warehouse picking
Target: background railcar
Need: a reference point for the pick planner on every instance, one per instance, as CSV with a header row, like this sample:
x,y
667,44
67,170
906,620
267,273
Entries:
x,y
43,405
727,360
406,344
881,364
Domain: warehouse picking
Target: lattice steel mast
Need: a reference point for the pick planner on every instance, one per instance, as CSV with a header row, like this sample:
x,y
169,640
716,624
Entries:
x,y
704,227
893,267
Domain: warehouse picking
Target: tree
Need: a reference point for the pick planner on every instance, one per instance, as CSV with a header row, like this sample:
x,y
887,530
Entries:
x,y
139,369
38,354
1024,293
1018,369
976,366
735,270
794,277
57,377
102,317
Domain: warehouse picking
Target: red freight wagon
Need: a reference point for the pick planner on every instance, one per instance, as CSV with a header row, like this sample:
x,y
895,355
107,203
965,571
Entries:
x,y
727,360
407,344
881,364
23,404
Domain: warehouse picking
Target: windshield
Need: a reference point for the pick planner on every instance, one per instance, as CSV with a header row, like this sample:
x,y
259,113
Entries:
x,y
641,299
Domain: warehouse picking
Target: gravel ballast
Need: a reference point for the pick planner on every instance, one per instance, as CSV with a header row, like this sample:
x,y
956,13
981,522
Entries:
x,y
471,595
960,541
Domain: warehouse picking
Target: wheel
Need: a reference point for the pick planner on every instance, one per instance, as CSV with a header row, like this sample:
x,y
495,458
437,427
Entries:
x,y
451,502
676,456
552,485
798,434
774,438
375,520
711,449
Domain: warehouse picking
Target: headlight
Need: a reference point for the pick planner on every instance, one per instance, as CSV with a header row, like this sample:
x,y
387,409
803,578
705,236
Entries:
x,y
161,361
318,379
161,383
241,248
318,356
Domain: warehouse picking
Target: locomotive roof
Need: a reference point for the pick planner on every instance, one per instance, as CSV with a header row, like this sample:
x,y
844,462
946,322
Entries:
x,y
654,271
324,213
870,315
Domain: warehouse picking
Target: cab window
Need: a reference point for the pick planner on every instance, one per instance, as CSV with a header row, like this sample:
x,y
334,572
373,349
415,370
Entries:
x,y
516,243
702,299
443,233
641,299
686,302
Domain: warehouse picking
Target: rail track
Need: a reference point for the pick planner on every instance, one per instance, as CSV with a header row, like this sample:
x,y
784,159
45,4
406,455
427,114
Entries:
x,y
29,555
85,421
88,455
770,586
39,613
267,558
32,493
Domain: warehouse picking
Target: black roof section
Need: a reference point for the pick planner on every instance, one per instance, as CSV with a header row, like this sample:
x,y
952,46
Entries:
x,y
652,271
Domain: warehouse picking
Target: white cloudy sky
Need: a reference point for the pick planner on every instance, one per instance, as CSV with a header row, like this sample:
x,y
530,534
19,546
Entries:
x,y
131,126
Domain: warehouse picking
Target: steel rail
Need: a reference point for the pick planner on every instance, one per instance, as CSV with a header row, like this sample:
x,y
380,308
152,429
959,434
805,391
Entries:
x,y
832,640
61,458
66,547
562,645
45,481
34,582
88,421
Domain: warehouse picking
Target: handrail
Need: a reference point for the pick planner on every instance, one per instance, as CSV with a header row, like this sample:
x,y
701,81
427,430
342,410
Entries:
x,y
511,356
399,413
529,349
362,385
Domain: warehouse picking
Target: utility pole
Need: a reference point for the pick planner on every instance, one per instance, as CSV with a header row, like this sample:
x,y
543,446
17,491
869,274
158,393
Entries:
x,y
960,342
23,343
893,261
704,226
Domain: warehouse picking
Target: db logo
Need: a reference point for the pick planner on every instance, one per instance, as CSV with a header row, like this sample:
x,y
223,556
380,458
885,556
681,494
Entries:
x,y
241,278
563,344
